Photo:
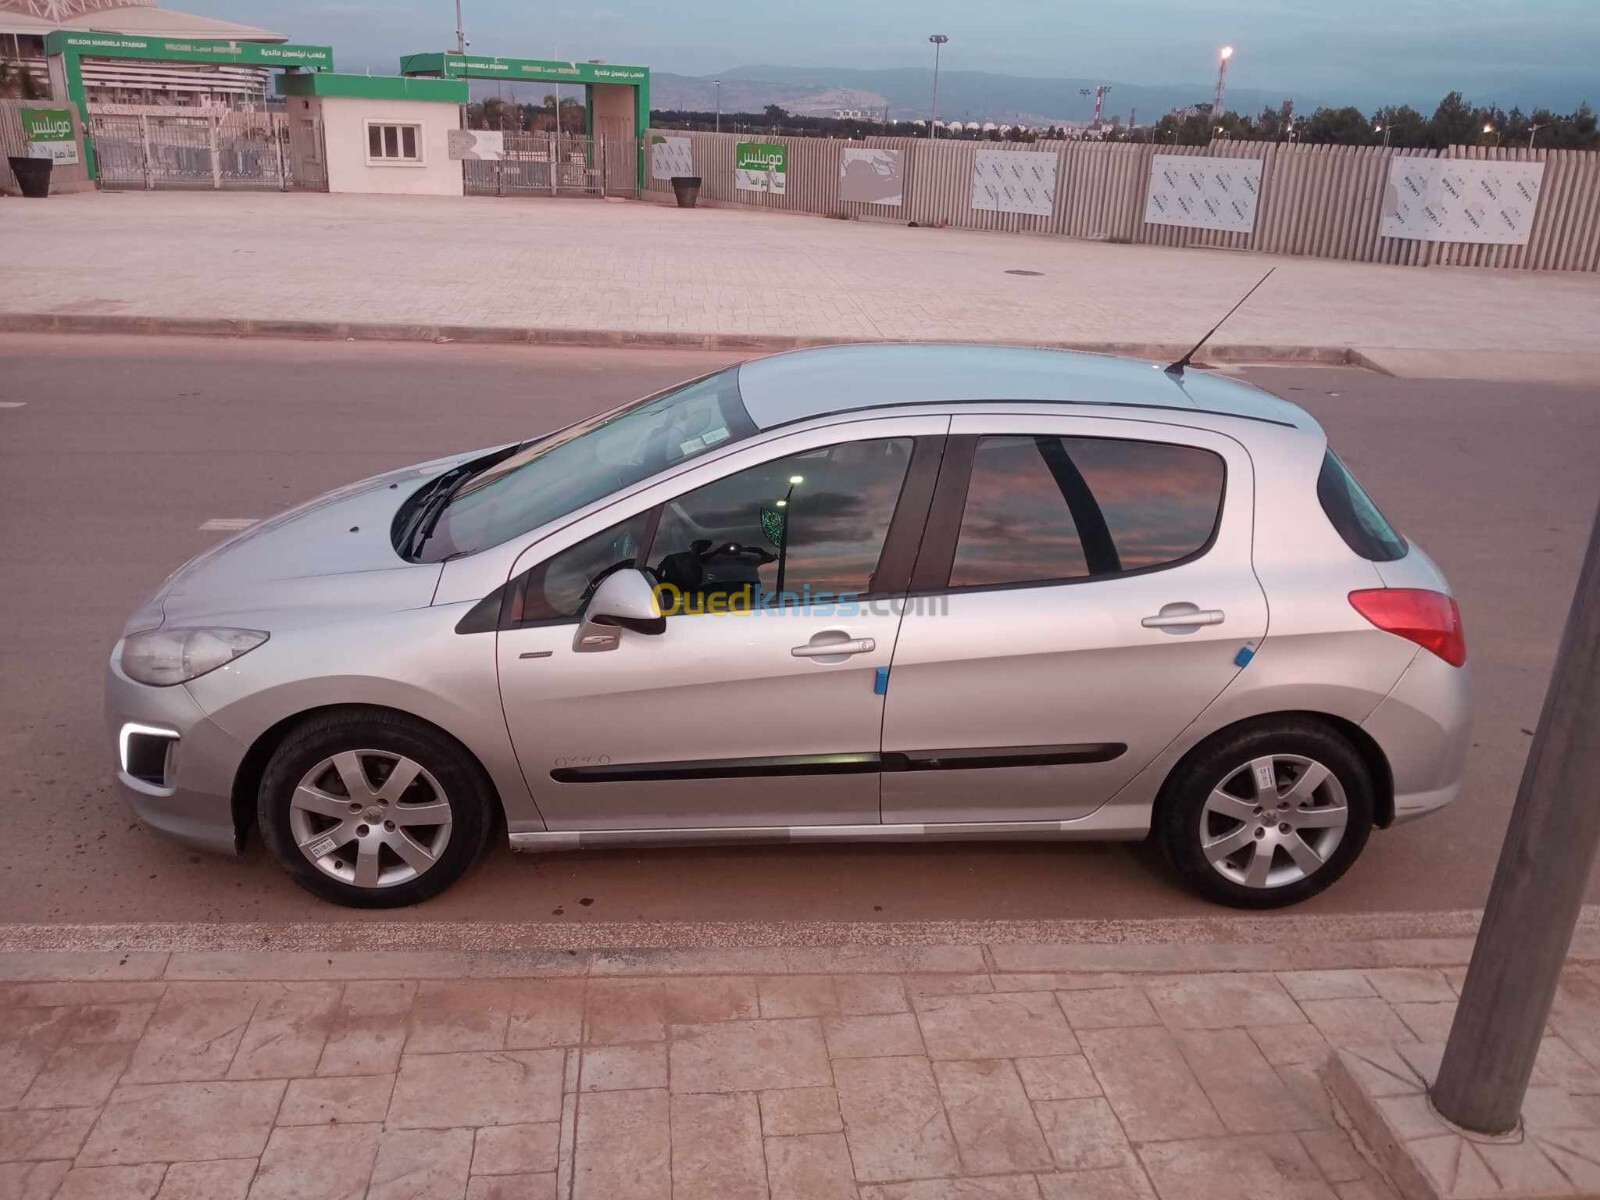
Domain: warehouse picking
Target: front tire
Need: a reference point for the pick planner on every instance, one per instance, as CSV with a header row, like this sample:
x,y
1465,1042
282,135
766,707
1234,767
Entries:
x,y
1267,815
373,809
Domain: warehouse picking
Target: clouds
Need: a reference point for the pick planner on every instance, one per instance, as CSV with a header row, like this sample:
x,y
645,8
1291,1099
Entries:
x,y
1355,51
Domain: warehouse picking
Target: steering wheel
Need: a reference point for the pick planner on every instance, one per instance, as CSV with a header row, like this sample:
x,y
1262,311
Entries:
x,y
733,552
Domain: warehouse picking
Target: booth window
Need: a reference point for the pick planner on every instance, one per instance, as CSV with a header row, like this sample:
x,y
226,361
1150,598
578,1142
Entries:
x,y
394,143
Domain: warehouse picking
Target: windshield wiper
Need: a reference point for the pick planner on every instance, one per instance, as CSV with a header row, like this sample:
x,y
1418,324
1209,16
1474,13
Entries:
x,y
426,508
429,503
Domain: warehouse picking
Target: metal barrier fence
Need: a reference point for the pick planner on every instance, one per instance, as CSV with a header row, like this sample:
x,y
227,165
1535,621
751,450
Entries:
x,y
543,165
1319,201
63,177
212,149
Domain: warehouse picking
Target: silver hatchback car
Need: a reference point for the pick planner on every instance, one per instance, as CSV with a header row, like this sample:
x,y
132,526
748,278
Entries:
x,y
862,592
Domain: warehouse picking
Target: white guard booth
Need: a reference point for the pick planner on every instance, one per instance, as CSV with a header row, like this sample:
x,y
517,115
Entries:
x,y
381,133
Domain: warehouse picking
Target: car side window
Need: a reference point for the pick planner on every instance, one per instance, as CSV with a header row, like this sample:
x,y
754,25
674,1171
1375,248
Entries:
x,y
558,588
809,526
1042,508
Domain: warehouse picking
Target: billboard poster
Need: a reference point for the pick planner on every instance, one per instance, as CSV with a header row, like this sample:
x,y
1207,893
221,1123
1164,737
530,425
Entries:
x,y
1461,200
1200,192
761,167
49,133
1017,181
476,145
872,176
670,157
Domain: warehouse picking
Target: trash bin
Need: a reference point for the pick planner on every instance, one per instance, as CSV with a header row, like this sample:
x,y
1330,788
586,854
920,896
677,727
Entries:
x,y
687,189
33,175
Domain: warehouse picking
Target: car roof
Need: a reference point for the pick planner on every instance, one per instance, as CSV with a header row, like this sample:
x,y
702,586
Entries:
x,y
803,384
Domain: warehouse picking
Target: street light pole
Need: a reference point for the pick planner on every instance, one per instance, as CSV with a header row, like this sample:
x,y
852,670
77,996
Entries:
x,y
1222,75
461,34
718,82
938,40
1538,887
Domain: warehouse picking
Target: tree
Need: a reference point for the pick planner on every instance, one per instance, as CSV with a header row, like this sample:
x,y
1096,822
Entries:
x,y
1454,123
1341,127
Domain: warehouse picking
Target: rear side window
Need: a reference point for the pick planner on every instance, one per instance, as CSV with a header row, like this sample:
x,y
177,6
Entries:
x,y
1042,509
1352,512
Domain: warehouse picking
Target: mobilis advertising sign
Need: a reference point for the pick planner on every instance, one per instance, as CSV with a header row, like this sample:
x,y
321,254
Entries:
x,y
761,167
49,134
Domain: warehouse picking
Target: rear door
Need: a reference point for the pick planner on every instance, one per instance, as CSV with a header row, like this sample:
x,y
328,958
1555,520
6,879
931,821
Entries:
x,y
1083,591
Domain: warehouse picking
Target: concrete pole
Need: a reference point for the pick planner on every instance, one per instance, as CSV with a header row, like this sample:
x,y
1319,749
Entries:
x,y
938,40
1538,887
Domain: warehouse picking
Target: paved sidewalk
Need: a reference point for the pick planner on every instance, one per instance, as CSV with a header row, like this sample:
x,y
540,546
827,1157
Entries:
x,y
583,269
909,1073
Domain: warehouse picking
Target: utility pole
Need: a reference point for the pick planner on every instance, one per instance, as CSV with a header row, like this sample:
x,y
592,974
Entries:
x,y
461,34
1222,76
1538,887
718,82
938,40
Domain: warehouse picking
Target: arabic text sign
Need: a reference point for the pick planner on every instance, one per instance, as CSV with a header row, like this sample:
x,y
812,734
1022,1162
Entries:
x,y
1019,181
872,176
476,145
761,167
1203,193
671,157
1461,200
110,45
50,134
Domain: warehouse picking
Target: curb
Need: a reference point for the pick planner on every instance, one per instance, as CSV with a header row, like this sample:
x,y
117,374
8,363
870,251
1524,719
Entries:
x,y
511,335
392,949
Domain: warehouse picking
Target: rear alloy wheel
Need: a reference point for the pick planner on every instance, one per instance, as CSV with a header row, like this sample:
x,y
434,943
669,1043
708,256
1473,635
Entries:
x,y
373,810
1266,816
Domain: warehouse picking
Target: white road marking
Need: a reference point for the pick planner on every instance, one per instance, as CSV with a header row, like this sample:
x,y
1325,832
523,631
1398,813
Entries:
x,y
13,404
229,524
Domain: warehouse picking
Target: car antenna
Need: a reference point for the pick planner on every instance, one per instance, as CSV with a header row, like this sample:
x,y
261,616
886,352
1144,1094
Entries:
x,y
1176,369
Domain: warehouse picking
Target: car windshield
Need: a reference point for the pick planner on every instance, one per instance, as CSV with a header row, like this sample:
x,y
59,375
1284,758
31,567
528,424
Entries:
x,y
584,462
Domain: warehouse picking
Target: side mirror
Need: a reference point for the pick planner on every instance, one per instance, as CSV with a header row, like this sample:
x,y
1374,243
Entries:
x,y
625,599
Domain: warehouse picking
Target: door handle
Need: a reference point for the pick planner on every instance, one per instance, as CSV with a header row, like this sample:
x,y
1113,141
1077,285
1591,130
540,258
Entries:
x,y
1183,617
829,649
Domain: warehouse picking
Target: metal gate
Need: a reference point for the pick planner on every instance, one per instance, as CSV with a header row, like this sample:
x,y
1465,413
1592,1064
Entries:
x,y
261,150
541,165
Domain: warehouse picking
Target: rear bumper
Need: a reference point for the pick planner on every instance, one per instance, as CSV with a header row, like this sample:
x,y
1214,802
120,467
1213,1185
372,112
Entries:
x,y
1423,726
187,793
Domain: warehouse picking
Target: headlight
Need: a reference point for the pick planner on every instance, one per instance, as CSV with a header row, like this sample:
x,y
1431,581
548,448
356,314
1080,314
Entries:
x,y
163,657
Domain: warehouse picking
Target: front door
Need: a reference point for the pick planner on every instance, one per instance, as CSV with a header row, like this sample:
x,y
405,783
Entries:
x,y
761,704
1086,590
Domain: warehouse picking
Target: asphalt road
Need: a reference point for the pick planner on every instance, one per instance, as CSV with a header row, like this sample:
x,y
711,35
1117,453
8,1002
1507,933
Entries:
x,y
122,448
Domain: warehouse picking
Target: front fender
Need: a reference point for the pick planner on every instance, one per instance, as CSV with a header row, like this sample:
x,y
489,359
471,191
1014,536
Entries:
x,y
413,662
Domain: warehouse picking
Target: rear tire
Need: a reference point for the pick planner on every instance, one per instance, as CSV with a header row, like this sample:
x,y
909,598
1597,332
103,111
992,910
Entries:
x,y
1266,815
370,808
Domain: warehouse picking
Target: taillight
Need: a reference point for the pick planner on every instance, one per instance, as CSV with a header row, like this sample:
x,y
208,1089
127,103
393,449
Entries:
x,y
1430,619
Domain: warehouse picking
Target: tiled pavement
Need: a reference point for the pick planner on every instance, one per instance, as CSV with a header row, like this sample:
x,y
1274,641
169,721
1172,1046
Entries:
x,y
590,267
938,1085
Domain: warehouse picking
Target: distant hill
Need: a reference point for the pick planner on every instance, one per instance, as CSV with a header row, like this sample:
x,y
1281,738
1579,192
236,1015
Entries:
x,y
963,95
699,93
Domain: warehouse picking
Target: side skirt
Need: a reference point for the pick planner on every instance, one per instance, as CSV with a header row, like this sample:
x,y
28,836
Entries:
x,y
1103,825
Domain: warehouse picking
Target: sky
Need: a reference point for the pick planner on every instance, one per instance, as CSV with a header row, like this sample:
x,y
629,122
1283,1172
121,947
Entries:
x,y
1364,52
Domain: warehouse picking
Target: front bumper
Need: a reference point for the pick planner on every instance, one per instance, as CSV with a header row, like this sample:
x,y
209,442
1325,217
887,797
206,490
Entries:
x,y
1422,726
187,792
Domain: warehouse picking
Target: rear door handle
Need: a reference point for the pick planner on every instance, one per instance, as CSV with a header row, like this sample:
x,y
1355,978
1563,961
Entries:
x,y
829,649
1183,616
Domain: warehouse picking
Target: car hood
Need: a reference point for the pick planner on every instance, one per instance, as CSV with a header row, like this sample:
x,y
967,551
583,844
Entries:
x,y
329,557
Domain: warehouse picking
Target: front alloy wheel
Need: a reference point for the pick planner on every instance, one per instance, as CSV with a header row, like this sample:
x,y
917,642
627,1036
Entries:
x,y
370,818
373,809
